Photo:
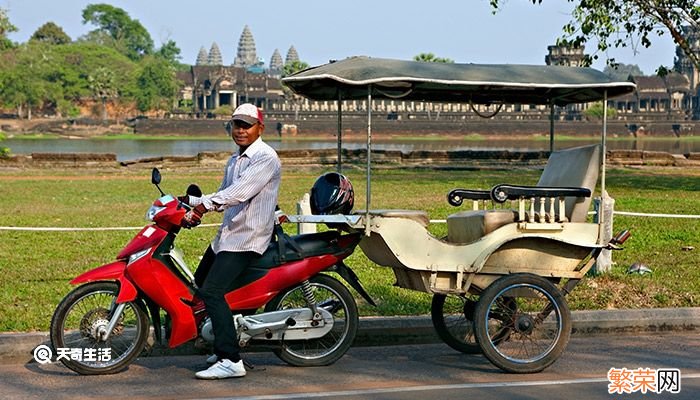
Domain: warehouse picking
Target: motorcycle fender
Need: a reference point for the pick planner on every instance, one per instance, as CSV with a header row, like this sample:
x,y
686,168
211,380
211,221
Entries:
x,y
351,278
110,272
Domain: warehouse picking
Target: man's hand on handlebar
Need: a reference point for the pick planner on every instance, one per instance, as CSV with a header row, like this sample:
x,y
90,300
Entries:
x,y
194,217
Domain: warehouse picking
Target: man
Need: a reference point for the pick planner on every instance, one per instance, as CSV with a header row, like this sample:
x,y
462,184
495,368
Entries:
x,y
247,196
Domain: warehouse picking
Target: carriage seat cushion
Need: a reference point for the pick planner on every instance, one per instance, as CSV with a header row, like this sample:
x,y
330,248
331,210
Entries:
x,y
468,226
419,216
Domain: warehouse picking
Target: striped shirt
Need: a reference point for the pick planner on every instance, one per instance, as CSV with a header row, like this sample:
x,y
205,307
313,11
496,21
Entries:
x,y
247,196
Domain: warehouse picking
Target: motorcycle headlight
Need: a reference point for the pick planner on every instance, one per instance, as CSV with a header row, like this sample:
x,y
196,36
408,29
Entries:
x,y
138,255
153,211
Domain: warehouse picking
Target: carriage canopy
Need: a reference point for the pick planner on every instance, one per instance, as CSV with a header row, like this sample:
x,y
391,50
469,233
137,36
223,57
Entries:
x,y
351,78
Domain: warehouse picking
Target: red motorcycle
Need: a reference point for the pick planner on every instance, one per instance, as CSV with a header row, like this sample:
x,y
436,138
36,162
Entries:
x,y
309,318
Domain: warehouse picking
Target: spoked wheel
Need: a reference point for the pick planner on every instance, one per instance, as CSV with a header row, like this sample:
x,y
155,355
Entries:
x,y
453,319
522,323
335,298
81,319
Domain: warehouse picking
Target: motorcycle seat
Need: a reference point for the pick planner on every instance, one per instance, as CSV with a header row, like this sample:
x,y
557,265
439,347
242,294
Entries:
x,y
296,248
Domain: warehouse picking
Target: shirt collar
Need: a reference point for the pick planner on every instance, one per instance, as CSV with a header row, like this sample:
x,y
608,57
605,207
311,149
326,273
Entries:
x,y
252,149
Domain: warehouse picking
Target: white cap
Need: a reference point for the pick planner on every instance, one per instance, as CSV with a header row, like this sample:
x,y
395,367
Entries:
x,y
248,113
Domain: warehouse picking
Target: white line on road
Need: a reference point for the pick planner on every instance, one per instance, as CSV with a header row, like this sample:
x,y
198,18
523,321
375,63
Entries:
x,y
365,392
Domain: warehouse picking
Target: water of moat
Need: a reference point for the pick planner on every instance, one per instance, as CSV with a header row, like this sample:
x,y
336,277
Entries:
x,y
133,149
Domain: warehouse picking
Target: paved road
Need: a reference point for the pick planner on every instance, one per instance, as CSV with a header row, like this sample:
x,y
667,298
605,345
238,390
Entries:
x,y
431,371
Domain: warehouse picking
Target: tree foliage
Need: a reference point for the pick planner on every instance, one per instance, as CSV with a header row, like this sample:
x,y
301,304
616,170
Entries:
x,y
595,111
5,28
628,23
170,53
51,33
4,151
115,62
54,78
23,83
157,85
102,83
430,57
294,67
116,28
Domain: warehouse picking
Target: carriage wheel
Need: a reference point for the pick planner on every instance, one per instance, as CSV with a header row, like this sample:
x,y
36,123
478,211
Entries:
x,y
522,323
453,319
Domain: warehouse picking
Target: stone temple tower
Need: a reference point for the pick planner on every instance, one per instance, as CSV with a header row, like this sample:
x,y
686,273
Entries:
x,y
292,55
215,55
683,64
276,63
566,56
246,55
202,57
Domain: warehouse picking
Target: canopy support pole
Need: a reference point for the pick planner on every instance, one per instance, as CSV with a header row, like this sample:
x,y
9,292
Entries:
x,y
603,193
551,126
369,159
340,133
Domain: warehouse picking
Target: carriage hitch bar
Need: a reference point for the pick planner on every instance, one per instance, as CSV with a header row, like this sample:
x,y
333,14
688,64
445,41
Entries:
x,y
616,242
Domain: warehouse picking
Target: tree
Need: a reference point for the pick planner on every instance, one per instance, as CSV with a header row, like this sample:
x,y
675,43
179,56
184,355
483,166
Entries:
x,y
5,28
23,83
595,111
4,151
103,86
51,33
169,52
76,62
57,77
622,23
290,68
156,85
430,57
127,35
294,67
621,72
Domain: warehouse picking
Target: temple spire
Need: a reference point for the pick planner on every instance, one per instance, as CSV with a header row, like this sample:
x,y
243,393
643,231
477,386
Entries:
x,y
202,57
276,63
246,55
215,55
292,55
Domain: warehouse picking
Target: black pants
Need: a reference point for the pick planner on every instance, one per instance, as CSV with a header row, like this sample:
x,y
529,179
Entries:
x,y
215,277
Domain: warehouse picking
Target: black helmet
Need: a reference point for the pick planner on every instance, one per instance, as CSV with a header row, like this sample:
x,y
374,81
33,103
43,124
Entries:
x,y
332,193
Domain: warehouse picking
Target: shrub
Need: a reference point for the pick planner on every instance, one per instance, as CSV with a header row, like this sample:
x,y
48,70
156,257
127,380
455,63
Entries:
x,y
595,111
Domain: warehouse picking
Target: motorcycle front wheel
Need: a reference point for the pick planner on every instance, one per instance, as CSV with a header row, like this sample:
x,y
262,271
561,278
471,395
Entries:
x,y
335,298
80,318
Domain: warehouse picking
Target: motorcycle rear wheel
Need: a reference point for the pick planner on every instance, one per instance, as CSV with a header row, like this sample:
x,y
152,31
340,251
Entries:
x,y
334,297
78,319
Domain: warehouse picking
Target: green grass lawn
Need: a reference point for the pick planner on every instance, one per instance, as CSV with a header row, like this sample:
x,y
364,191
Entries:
x,y
35,267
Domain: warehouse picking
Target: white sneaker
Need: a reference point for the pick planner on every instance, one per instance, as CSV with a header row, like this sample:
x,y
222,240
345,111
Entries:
x,y
212,359
223,369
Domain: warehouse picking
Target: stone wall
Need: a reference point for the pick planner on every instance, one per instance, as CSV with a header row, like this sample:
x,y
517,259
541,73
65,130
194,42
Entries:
x,y
468,159
381,126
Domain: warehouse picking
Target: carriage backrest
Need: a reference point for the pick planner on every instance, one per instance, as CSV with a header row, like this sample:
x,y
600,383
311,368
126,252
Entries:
x,y
574,167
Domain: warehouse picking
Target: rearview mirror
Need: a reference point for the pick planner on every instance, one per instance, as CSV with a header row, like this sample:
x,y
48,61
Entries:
x,y
194,190
155,176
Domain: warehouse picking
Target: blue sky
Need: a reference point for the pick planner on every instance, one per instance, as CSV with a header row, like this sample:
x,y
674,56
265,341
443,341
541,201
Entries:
x,y
464,31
